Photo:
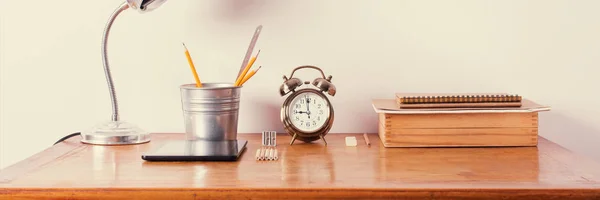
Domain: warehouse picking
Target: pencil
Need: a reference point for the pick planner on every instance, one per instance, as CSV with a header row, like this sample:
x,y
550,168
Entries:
x,y
250,49
191,63
367,139
239,79
257,154
249,76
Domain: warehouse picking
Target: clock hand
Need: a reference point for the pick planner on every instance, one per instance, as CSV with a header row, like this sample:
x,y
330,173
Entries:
x,y
308,105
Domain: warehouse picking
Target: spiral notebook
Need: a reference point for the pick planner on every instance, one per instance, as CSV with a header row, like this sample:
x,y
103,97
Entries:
x,y
458,100
390,106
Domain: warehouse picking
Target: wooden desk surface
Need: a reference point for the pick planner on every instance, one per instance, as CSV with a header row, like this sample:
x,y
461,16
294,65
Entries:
x,y
72,169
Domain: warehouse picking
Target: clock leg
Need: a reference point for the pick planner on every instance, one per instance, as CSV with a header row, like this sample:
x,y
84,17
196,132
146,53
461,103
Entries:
x,y
293,139
323,138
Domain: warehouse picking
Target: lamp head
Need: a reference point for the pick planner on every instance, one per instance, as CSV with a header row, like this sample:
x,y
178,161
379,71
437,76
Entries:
x,y
145,5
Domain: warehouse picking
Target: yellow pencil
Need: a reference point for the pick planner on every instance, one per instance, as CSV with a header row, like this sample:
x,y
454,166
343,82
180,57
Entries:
x,y
189,58
238,81
249,75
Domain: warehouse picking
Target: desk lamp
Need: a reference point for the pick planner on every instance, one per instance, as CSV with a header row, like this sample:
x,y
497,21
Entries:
x,y
117,132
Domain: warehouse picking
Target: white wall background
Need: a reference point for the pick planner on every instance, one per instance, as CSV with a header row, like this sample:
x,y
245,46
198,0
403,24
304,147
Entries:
x,y
52,81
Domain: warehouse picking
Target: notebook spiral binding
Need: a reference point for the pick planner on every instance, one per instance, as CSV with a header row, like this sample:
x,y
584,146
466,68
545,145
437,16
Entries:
x,y
460,99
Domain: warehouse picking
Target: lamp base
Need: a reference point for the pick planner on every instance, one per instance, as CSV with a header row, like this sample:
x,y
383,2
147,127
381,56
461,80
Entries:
x,y
115,133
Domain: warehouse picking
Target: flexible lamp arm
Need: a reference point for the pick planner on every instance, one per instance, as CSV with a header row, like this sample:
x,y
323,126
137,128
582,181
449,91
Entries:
x,y
113,96
117,132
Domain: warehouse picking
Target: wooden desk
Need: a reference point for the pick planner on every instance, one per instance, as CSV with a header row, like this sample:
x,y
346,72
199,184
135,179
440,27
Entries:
x,y
72,169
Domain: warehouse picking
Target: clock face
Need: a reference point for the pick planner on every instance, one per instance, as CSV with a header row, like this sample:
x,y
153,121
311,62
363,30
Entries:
x,y
308,111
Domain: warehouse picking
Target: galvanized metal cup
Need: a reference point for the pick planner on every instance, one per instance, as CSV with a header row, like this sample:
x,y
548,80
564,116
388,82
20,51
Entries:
x,y
210,112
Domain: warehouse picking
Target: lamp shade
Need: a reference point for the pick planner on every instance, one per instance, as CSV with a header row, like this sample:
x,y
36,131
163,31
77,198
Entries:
x,y
145,5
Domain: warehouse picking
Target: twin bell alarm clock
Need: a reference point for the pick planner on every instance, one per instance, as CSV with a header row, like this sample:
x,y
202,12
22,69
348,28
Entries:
x,y
307,113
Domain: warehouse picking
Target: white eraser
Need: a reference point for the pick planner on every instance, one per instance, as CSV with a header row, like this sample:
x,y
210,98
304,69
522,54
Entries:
x,y
351,141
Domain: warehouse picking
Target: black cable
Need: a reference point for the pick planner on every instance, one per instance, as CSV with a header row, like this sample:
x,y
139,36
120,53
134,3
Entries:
x,y
67,137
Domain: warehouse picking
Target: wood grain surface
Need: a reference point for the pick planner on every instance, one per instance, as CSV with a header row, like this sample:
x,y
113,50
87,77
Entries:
x,y
457,137
458,130
462,120
72,170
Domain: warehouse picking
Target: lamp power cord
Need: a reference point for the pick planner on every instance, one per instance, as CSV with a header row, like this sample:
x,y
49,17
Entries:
x,y
67,137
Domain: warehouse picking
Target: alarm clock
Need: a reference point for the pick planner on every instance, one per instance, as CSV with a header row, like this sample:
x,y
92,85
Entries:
x,y
307,113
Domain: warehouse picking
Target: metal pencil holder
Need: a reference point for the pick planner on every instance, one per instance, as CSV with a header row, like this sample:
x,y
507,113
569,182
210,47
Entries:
x,y
210,112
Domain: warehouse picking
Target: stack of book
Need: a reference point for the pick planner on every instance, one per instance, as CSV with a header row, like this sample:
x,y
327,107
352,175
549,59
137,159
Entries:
x,y
455,120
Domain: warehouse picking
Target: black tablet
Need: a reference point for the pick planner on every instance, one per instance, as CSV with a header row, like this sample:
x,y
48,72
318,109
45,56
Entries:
x,y
197,150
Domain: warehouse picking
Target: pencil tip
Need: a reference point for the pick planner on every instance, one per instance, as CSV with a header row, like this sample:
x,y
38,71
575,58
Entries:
x,y
184,45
